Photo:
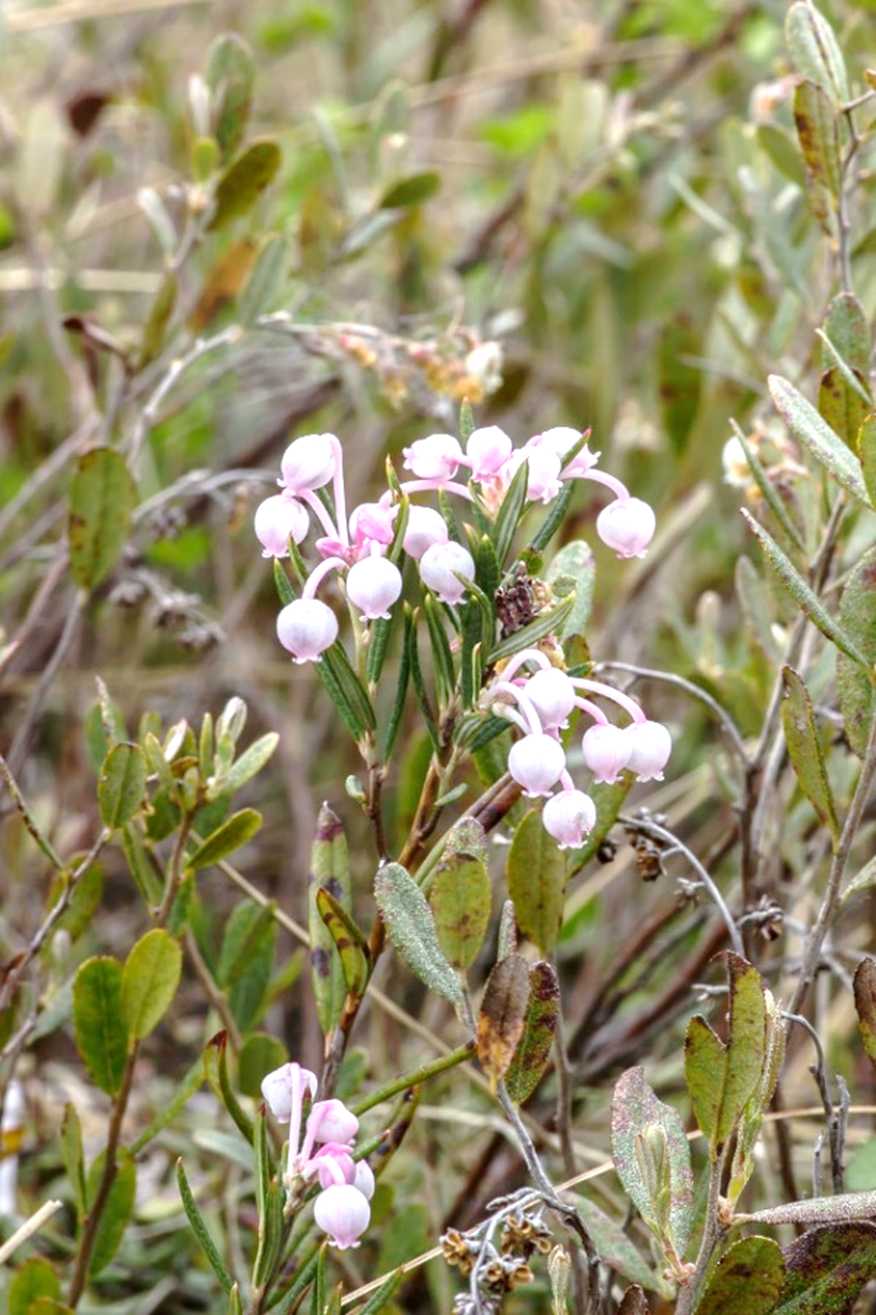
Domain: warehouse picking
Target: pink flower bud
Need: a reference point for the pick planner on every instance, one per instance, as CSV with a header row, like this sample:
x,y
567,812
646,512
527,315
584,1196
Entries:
x,y
343,1213
332,1163
568,817
553,695
284,1086
544,471
425,526
307,628
650,745
363,1179
373,585
487,449
308,462
373,523
606,751
441,564
627,525
435,457
277,520
331,1121
536,762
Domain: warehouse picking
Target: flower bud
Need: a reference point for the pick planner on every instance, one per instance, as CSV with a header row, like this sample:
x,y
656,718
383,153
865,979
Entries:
x,y
606,751
627,525
277,520
441,564
435,457
568,817
373,523
284,1086
536,762
425,526
650,746
308,462
363,1179
343,1213
487,449
373,585
307,628
331,1121
553,696
332,1163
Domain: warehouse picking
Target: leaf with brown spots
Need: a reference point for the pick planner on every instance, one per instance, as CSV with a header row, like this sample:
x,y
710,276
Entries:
x,y
503,1015
460,900
746,1280
857,616
534,1047
804,748
537,881
827,1268
865,1003
349,941
329,869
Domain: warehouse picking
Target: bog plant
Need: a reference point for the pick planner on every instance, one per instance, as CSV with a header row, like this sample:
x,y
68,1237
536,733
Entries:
x,y
446,620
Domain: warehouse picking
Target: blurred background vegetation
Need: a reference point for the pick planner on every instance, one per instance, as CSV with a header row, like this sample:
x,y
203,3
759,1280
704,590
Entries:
x,y
565,213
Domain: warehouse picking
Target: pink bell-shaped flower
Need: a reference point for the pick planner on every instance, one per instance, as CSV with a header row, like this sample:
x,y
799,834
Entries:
x,y
331,1121
487,450
285,1086
343,1213
606,751
277,520
627,525
307,628
568,817
309,462
373,585
363,1179
332,1163
553,695
372,522
544,471
437,457
536,762
424,528
561,439
440,566
650,745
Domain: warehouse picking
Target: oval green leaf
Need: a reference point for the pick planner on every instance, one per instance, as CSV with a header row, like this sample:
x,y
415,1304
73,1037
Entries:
x,y
460,897
537,881
121,784
746,1281
236,831
102,497
149,980
98,1019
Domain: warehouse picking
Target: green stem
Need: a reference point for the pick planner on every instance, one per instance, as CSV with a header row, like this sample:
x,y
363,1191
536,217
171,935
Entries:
x,y
413,1079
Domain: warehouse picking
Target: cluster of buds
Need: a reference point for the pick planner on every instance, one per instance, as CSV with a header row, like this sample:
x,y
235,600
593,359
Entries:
x,y
321,1149
361,547
540,703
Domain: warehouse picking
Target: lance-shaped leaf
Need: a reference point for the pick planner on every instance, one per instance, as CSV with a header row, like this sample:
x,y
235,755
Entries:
x,y
867,454
845,1207
857,616
329,869
804,748
250,762
747,1279
510,512
573,570
550,621
613,1247
349,942
814,51
259,1055
847,333
537,881
34,1279
803,594
865,1003
502,1015
102,497
770,494
819,138
200,1230
246,959
533,1051
842,406
234,832
98,1018
634,1111
117,1209
121,784
813,431
460,898
230,74
827,1268
72,1155
759,1101
149,980
244,180
746,1046
411,928
704,1061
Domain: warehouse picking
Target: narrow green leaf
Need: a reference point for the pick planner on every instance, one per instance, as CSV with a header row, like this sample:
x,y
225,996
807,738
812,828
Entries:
x,y
764,484
34,1279
509,514
121,784
329,869
827,447
704,1064
804,748
842,406
746,1046
410,191
857,616
98,1019
394,721
250,762
442,659
550,621
537,881
151,975
158,319
200,1230
102,498
244,180
818,134
814,50
349,942
747,1279
867,454
803,594
533,1051
73,1156
865,1003
140,865
236,831
846,334
285,592
862,880
555,517
460,898
267,280
230,74
411,928
117,1210
778,146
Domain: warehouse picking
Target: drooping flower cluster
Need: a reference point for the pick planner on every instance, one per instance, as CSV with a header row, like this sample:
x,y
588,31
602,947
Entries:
x,y
358,546
540,704
324,1153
